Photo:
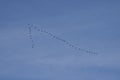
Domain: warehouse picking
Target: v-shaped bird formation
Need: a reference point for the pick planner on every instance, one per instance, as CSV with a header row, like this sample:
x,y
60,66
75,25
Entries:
x,y
39,29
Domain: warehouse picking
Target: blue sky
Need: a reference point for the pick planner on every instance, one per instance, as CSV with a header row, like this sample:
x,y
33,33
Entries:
x,y
90,24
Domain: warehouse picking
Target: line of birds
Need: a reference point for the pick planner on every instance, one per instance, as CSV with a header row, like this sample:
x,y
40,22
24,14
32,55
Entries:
x,y
30,35
57,38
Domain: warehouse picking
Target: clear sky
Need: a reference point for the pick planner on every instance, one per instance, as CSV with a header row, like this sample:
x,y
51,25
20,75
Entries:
x,y
89,24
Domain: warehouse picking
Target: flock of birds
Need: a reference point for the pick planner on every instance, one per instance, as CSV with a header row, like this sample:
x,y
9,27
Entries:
x,y
31,26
